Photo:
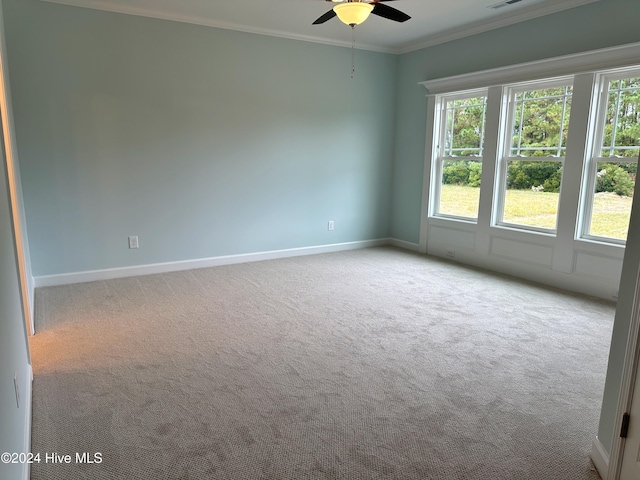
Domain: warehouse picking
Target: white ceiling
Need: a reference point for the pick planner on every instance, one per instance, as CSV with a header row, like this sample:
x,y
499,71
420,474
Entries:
x,y
432,22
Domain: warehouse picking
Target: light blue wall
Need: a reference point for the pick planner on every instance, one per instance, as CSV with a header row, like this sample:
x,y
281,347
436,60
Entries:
x,y
203,142
598,25
14,355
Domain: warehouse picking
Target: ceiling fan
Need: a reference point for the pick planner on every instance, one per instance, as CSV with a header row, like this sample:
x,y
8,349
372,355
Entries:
x,y
354,12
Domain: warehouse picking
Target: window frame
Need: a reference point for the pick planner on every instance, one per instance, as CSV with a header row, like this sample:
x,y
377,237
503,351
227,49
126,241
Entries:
x,y
599,115
439,148
505,147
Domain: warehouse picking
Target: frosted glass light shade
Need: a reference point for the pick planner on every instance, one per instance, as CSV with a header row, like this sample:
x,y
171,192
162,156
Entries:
x,y
353,13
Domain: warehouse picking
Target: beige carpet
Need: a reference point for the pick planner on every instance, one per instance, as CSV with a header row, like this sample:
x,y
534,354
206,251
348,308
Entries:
x,y
367,364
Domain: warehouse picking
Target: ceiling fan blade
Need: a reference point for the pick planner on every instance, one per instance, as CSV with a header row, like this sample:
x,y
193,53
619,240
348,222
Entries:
x,y
391,13
327,16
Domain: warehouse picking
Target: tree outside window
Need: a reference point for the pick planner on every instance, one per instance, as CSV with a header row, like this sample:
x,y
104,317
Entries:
x,y
459,163
536,150
615,164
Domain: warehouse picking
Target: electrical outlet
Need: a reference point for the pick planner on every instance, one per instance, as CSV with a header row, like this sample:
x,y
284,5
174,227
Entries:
x,y
615,293
133,242
17,388
330,225
451,253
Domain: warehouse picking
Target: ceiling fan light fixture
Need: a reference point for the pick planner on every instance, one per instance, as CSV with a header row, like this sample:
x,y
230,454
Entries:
x,y
353,13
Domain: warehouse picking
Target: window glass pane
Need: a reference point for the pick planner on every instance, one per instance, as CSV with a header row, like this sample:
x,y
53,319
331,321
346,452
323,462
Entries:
x,y
464,127
541,122
532,193
460,188
612,200
622,124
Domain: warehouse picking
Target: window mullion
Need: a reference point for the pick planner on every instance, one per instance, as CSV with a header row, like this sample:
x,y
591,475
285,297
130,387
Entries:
x,y
562,118
614,132
521,122
482,128
444,131
450,124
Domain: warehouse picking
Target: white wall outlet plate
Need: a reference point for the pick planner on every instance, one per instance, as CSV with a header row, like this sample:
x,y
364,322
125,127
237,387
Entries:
x,y
133,242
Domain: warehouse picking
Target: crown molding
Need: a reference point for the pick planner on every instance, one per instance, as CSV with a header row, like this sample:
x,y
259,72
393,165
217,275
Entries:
x,y
493,24
456,34
150,13
614,57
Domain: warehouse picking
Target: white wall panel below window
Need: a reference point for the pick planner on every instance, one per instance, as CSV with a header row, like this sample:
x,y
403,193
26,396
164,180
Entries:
x,y
452,237
524,252
598,266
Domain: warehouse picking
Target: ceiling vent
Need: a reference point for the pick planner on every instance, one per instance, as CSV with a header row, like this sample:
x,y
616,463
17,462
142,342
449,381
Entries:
x,y
503,4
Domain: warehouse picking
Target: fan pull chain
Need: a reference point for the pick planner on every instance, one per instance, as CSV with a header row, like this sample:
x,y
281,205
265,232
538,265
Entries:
x,y
353,51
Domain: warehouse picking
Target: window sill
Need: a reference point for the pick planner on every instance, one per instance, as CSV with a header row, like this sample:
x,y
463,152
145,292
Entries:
x,y
525,230
600,245
453,218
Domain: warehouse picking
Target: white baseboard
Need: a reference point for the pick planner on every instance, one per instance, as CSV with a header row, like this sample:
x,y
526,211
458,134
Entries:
x,y
106,274
600,458
414,247
26,472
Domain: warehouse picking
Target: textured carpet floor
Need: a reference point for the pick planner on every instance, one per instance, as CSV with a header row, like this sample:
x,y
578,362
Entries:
x,y
368,364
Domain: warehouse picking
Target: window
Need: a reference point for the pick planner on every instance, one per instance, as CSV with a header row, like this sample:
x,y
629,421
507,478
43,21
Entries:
x,y
613,166
521,149
535,144
458,167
